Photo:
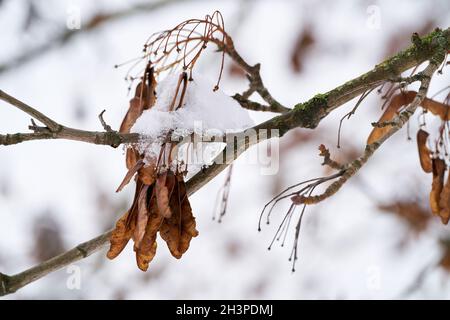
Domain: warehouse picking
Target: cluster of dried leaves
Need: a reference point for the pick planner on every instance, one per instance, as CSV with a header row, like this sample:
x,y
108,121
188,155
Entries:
x,y
160,202
431,161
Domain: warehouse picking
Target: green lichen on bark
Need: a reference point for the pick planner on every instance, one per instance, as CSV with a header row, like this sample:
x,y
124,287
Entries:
x,y
312,111
308,114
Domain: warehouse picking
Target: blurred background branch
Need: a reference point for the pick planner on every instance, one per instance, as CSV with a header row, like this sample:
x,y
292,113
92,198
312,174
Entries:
x,y
61,39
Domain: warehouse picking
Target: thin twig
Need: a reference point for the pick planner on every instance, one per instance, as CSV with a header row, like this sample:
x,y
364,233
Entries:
x,y
103,122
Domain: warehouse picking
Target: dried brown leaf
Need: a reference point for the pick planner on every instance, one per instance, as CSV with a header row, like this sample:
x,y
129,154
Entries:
x,y
144,98
146,250
437,108
424,152
147,174
444,202
132,156
124,227
130,174
397,101
163,188
179,229
142,216
437,185
119,237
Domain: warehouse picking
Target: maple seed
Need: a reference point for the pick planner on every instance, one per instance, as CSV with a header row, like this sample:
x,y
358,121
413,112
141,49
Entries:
x,y
119,237
160,203
391,111
437,185
424,152
179,229
396,103
444,203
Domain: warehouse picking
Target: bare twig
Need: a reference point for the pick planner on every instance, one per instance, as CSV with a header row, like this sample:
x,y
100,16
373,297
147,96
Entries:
x,y
224,193
52,125
54,130
103,122
255,83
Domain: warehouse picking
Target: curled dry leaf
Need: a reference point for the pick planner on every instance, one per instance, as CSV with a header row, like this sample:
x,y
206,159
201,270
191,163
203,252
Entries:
x,y
400,100
444,202
125,226
144,98
119,237
424,152
147,174
146,250
437,185
437,108
179,229
141,217
164,186
130,174
397,101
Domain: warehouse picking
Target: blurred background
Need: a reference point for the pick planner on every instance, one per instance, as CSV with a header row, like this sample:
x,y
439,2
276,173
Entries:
x,y
374,239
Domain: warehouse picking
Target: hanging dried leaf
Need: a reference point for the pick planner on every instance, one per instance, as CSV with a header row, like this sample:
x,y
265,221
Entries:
x,y
141,217
144,98
437,108
119,237
424,152
444,202
124,227
130,174
146,250
132,156
179,229
163,188
147,174
437,185
391,111
399,100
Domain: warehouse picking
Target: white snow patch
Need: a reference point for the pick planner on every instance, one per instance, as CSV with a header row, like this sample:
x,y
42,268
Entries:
x,y
203,112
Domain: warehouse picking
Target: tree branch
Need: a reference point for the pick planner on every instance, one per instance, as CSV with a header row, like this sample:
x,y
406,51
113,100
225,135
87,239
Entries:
x,y
54,130
307,115
310,113
353,167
